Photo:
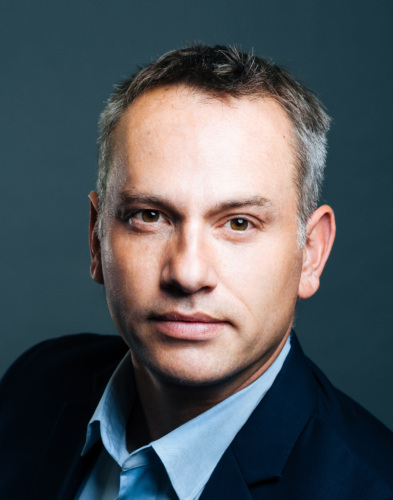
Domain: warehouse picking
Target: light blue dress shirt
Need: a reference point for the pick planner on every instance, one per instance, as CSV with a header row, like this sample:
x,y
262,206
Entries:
x,y
179,464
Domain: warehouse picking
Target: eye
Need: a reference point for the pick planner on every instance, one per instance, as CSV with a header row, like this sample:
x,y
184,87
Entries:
x,y
148,216
239,224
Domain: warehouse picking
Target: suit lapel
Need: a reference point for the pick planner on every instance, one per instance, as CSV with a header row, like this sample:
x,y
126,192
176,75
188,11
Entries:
x,y
260,450
227,481
258,453
63,468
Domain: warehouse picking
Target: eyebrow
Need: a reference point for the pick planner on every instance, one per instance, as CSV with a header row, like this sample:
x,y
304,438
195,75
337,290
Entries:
x,y
164,203
249,201
127,198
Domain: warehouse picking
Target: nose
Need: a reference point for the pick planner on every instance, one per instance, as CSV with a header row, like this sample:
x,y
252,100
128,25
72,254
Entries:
x,y
189,265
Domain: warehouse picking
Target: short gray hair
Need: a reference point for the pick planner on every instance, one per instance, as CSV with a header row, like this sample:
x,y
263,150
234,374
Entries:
x,y
222,71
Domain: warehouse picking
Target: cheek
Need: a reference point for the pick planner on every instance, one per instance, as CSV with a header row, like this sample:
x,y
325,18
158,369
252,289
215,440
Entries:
x,y
262,276
129,266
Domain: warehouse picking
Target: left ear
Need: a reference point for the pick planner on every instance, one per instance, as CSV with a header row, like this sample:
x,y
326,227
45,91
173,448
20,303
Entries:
x,y
95,244
321,230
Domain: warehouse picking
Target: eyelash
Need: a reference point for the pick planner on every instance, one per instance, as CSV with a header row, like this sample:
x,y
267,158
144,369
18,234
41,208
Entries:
x,y
141,212
237,220
228,222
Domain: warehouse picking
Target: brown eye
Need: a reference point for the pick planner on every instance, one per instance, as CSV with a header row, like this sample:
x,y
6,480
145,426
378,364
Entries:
x,y
239,224
150,215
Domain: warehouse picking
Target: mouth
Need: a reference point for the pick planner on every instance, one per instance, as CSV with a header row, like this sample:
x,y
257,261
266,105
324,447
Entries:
x,y
196,327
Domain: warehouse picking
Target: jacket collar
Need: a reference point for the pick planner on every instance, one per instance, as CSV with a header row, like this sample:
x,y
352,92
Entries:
x,y
261,448
60,474
258,452
264,444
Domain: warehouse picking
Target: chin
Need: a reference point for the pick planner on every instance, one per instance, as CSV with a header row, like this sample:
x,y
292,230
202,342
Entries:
x,y
185,375
180,369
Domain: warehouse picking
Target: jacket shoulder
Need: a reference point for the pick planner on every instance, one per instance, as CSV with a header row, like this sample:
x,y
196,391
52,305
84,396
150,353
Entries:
x,y
46,400
351,430
308,440
63,365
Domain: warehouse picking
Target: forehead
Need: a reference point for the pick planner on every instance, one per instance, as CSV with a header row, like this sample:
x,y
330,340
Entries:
x,y
177,139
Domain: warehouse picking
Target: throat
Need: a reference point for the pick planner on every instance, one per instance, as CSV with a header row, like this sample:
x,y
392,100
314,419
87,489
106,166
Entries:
x,y
137,432
159,409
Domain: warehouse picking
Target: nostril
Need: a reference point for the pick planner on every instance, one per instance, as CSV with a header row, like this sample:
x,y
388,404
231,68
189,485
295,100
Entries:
x,y
176,289
184,276
185,280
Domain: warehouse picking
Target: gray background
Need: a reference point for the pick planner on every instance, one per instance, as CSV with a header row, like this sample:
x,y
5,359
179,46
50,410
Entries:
x,y
59,61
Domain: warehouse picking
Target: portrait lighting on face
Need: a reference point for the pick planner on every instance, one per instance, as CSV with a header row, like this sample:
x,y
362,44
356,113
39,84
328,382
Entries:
x,y
199,251
205,230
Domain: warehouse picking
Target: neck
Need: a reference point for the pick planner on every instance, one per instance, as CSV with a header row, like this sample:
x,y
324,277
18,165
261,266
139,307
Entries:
x,y
165,405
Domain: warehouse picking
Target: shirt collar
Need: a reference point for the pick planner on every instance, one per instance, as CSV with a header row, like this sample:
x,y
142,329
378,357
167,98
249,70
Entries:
x,y
109,421
197,445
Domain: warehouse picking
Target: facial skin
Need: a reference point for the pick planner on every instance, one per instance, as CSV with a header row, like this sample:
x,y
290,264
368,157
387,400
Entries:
x,y
199,254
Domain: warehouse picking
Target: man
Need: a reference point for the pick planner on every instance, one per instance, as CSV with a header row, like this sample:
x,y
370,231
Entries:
x,y
204,230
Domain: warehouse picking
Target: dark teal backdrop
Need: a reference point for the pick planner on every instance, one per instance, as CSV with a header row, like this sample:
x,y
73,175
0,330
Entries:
x,y
59,61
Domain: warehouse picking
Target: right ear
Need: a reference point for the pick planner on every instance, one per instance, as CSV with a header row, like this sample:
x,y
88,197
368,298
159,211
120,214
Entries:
x,y
95,244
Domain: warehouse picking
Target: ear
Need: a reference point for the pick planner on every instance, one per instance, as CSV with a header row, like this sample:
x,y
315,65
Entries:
x,y
95,244
321,230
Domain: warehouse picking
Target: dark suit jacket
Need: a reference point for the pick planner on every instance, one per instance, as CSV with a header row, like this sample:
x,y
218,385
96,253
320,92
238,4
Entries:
x,y
305,440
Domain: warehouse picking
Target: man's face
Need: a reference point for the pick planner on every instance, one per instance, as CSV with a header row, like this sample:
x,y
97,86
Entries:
x,y
199,251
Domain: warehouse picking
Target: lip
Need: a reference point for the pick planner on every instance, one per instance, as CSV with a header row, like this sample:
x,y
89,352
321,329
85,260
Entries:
x,y
197,326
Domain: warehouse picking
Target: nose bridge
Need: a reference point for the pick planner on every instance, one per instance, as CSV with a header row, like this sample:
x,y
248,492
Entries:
x,y
191,239
189,264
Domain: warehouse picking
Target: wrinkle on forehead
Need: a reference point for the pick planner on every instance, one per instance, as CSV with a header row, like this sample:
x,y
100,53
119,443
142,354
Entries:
x,y
167,116
141,116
